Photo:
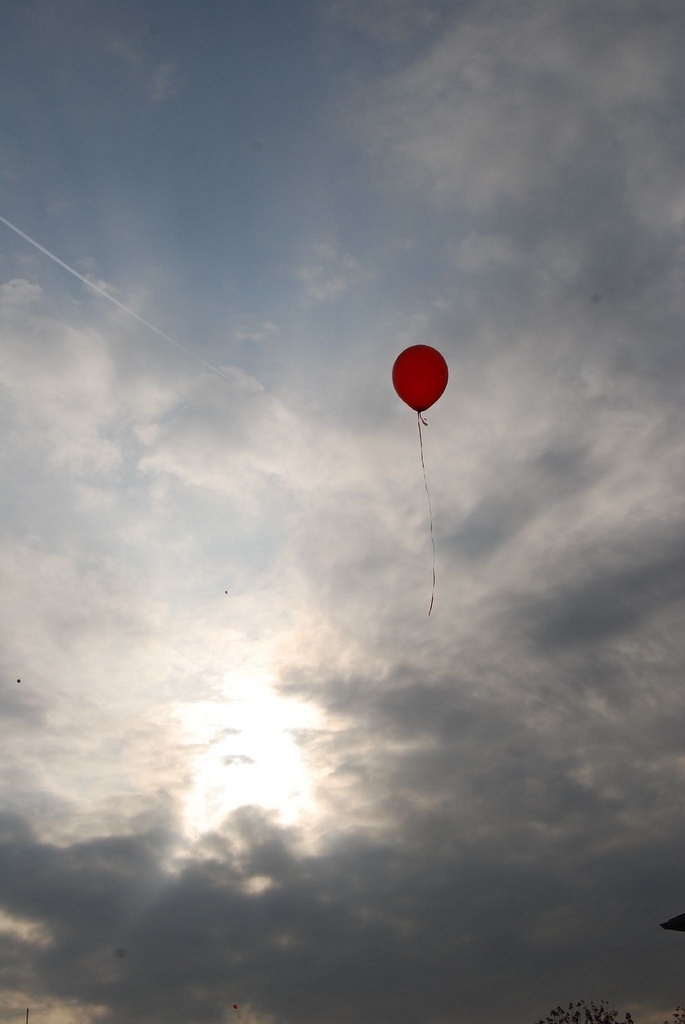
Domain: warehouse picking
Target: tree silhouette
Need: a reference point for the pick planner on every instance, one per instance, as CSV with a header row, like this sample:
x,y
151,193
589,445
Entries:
x,y
581,1013
599,1015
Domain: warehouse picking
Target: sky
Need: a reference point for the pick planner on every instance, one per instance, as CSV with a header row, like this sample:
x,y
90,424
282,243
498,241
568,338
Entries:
x,y
240,763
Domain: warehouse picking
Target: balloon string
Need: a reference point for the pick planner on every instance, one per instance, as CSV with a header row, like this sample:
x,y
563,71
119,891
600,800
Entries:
x,y
421,420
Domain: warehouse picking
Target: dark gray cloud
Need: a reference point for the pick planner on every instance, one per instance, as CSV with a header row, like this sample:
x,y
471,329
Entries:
x,y
237,759
614,592
501,862
491,524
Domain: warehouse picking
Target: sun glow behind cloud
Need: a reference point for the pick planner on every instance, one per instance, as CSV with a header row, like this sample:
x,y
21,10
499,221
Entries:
x,y
245,752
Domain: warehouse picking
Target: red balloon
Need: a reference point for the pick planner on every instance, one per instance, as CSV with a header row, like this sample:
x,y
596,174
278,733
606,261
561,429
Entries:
x,y
419,376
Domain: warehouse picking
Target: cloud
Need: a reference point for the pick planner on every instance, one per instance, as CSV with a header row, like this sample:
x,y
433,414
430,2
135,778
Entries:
x,y
388,21
466,853
330,276
619,594
483,812
231,759
19,292
505,82
478,252
251,328
55,385
126,49
163,85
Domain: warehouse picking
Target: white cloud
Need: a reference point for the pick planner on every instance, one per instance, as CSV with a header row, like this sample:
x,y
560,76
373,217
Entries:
x,y
19,292
330,276
502,103
251,328
125,49
60,378
163,85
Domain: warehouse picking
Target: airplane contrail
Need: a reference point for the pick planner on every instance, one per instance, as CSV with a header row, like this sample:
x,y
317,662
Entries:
x,y
106,295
